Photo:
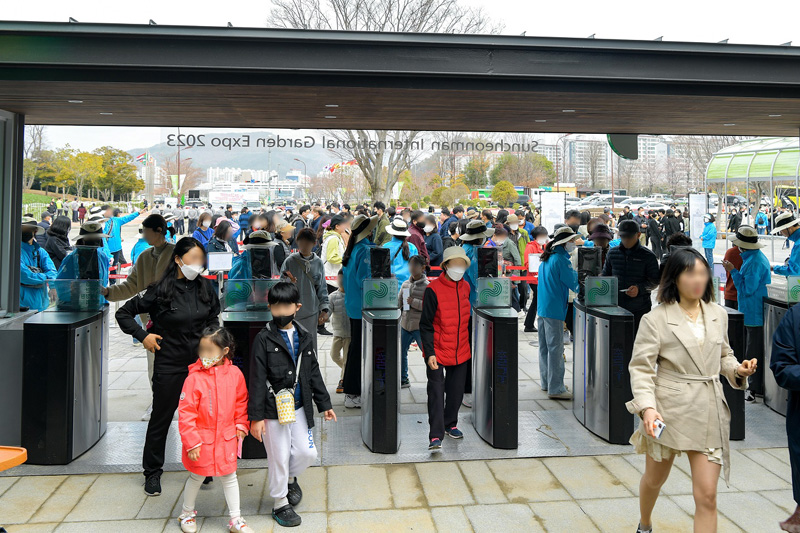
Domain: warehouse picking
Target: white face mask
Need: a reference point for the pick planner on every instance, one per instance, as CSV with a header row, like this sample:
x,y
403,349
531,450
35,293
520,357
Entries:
x,y
499,243
428,228
255,225
191,271
456,273
542,240
514,227
570,247
206,223
310,216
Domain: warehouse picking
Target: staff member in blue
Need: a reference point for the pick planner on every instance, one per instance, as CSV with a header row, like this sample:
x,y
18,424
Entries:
x,y
556,279
400,250
785,366
36,268
787,225
113,229
356,268
472,239
751,281
75,264
709,238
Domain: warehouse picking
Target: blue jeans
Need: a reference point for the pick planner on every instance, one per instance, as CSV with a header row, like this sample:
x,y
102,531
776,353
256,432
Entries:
x,y
709,256
551,355
406,338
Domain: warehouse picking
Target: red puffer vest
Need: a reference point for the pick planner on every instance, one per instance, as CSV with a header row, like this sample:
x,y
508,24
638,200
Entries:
x,y
451,323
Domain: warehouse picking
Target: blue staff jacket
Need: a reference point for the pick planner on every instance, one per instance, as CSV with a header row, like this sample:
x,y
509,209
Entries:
x,y
113,228
399,264
556,279
751,282
471,275
709,235
356,271
793,267
33,285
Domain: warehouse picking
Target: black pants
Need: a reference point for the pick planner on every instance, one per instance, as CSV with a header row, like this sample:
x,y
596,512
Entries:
x,y
531,316
637,318
118,259
515,299
179,227
166,395
754,349
655,245
733,304
523,293
570,320
332,288
192,225
445,392
352,368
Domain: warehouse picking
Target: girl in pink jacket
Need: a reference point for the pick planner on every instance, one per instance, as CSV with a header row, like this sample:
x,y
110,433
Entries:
x,y
212,421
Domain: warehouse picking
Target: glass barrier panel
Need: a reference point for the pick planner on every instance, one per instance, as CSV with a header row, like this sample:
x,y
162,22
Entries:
x,y
77,295
246,294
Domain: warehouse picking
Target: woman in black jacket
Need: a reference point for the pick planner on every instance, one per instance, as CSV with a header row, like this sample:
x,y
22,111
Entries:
x,y
181,305
57,245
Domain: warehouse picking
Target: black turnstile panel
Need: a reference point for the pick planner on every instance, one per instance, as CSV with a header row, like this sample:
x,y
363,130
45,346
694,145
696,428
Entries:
x,y
244,326
495,371
735,397
380,380
64,384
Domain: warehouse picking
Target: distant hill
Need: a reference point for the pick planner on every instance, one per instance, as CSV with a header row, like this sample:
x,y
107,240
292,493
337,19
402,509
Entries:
x,y
253,157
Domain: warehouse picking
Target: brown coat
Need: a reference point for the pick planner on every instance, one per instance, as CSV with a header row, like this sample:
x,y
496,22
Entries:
x,y
672,373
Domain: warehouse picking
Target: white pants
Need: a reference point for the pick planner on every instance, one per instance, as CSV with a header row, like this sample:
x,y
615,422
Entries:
x,y
230,486
290,450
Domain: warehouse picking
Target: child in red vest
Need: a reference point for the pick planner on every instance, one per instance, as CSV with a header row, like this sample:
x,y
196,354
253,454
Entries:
x,y
444,327
212,414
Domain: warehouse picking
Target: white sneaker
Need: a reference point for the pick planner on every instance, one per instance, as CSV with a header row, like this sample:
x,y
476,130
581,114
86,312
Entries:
x,y
188,522
238,525
352,402
467,400
146,415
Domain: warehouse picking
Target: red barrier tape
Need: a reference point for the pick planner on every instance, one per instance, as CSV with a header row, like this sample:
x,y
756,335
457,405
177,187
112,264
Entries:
x,y
117,276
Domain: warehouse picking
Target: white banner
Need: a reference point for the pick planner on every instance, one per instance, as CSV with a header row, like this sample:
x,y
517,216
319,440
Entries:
x,y
554,206
698,206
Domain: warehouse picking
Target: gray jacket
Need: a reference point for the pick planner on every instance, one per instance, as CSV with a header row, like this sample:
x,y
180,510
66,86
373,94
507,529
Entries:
x,y
340,323
410,318
310,275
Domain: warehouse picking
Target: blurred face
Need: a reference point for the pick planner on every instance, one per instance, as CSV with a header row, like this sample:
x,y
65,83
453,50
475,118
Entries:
x,y
630,242
415,269
209,353
195,256
601,242
284,309
305,246
151,236
692,282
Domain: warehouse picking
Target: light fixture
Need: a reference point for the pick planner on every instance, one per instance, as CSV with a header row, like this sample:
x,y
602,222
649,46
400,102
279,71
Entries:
x,y
331,105
75,101
106,113
330,116
729,124
776,116
567,110
540,120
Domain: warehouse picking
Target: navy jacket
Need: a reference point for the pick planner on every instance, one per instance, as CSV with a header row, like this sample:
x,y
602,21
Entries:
x,y
634,266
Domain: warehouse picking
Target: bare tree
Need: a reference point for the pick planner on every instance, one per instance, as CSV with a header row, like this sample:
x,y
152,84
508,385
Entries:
x,y
32,151
380,164
595,159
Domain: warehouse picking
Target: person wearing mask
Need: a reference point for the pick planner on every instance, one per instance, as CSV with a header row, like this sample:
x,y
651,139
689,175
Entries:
x,y
556,278
400,250
785,366
222,234
786,225
762,221
416,227
333,247
654,234
169,218
446,308
306,270
497,240
57,245
242,263
284,235
47,219
410,301
181,304
244,221
355,269
474,237
626,214
670,225
488,218
140,246
113,229
36,268
192,214
681,349
641,219
204,232
751,280
433,241
445,219
340,324
636,269
735,220
709,237
519,239
72,266
316,218
536,246
452,237
381,235
601,237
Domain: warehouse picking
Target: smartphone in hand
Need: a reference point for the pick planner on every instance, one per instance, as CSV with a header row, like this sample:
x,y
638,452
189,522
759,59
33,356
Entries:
x,y
658,428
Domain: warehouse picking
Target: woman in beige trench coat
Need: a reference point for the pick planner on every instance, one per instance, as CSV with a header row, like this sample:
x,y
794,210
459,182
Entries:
x,y
680,351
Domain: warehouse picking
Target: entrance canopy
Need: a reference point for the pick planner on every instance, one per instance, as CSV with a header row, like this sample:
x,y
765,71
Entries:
x,y
136,75
770,159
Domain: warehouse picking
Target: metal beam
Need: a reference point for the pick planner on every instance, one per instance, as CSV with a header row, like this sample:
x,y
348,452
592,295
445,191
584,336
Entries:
x,y
12,131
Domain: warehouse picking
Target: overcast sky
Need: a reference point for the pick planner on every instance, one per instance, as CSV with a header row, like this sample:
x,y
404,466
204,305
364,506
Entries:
x,y
764,22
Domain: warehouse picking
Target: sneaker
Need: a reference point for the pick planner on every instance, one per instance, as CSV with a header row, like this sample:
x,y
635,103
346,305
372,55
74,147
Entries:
x,y
454,433
640,529
208,480
566,395
749,396
467,400
436,444
238,525
340,387
286,516
322,331
152,485
530,330
352,401
146,415
188,522
295,493
405,384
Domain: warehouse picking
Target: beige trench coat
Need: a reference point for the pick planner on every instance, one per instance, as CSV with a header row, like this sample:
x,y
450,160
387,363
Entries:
x,y
672,373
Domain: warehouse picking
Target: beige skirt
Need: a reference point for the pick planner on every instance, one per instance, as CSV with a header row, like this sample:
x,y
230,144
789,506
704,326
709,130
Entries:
x,y
658,452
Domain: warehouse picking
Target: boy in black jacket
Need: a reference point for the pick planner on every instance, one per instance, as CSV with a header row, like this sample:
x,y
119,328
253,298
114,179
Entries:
x,y
284,358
